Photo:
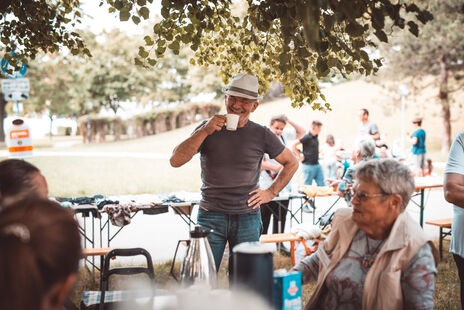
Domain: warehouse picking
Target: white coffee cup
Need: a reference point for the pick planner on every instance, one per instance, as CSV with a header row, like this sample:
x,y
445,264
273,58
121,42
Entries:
x,y
232,121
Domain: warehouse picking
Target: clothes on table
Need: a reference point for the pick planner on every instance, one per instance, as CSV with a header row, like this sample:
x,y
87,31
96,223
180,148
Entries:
x,y
118,214
81,200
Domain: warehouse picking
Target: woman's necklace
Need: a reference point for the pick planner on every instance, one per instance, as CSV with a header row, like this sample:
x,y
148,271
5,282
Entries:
x,y
368,259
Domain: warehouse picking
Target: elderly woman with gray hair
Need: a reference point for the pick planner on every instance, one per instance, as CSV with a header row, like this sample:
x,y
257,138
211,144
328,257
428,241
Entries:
x,y
377,256
365,150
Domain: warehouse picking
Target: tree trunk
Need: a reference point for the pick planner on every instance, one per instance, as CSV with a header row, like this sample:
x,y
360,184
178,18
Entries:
x,y
2,117
445,106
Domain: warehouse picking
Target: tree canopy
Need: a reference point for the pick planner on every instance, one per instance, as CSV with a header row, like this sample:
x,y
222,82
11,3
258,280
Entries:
x,y
28,27
439,52
68,85
296,42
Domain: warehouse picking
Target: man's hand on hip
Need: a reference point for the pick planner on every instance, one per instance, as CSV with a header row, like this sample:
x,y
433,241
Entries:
x,y
215,124
259,197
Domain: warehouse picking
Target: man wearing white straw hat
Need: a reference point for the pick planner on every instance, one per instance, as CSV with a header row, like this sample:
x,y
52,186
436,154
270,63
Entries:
x,y
230,159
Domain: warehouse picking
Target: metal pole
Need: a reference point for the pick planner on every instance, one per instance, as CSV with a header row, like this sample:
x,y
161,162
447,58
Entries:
x,y
17,108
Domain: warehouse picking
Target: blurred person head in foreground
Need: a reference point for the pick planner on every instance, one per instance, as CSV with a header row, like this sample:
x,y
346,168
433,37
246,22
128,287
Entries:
x,y
20,180
377,256
40,251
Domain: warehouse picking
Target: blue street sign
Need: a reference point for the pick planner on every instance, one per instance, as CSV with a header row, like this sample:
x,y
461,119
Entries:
x,y
15,74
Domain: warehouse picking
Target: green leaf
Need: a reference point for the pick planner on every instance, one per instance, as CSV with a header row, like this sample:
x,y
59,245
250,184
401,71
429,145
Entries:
x,y
329,21
413,28
412,8
142,52
124,16
357,44
141,2
364,55
145,12
381,36
284,58
165,12
174,46
118,4
136,20
151,61
138,62
354,29
321,66
148,40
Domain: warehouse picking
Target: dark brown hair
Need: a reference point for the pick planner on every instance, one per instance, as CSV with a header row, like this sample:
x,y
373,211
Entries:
x,y
39,246
15,177
278,118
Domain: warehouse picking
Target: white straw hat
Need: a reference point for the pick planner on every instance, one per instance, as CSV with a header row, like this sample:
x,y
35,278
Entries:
x,y
243,85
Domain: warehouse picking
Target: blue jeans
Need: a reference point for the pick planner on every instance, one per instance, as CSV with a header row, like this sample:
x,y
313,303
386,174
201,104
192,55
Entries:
x,y
313,172
232,228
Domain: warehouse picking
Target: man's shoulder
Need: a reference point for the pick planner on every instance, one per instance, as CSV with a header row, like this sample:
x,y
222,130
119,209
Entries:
x,y
308,136
253,125
460,137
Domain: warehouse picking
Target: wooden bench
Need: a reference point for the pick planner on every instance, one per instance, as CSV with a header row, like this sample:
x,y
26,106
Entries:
x,y
442,224
96,252
285,237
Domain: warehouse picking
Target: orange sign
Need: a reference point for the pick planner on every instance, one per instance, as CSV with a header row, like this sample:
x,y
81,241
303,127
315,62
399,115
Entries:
x,y
19,140
16,149
19,134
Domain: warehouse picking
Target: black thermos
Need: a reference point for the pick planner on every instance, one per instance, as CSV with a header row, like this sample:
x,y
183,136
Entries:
x,y
253,268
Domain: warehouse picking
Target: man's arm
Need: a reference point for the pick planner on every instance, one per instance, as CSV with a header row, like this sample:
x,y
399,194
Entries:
x,y
300,131
297,151
454,189
289,166
189,147
374,131
412,138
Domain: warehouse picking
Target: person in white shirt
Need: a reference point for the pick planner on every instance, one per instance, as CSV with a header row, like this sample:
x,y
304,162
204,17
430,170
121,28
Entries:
x,y
269,170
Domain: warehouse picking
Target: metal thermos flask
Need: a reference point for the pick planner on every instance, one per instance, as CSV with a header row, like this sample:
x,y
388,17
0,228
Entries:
x,y
198,265
253,268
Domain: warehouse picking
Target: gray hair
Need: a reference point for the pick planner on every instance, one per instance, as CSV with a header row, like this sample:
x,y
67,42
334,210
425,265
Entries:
x,y
366,147
391,176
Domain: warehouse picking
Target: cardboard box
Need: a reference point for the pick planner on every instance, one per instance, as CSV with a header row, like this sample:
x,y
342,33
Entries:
x,y
287,291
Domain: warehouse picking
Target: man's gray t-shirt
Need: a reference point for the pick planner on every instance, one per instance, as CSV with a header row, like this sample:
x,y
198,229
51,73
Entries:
x,y
231,164
368,128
